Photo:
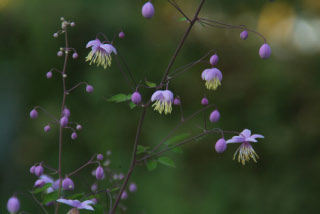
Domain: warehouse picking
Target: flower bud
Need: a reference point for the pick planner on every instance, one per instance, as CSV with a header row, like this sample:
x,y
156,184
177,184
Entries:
x,y
176,101
99,157
136,97
39,183
47,128
204,101
124,195
55,35
66,112
214,116
214,59
33,114
13,205
72,24
64,121
32,169
74,136
67,184
60,53
79,127
56,184
94,187
265,51
244,35
99,173
221,145
75,55
38,170
89,88
133,187
121,176
148,10
121,35
49,75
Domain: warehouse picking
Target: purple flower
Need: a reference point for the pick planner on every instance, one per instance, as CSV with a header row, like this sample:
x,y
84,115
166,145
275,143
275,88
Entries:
x,y
214,59
124,195
214,116
99,157
77,204
66,112
33,114
64,121
221,145
56,184
163,100
39,183
100,53
121,35
176,101
13,205
94,187
47,179
32,169
121,176
204,101
75,55
89,88
67,184
213,77
136,97
47,128
79,127
265,51
74,136
133,187
148,10
38,170
60,53
99,173
245,150
49,75
244,35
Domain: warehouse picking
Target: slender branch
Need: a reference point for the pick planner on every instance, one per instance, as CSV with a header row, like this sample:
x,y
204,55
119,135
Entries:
x,y
128,69
131,85
110,199
175,5
76,86
83,166
39,203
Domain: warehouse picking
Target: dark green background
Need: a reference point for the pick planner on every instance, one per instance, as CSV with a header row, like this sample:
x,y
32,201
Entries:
x,y
278,98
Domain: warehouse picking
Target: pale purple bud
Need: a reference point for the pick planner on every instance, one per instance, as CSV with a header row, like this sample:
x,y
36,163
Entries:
x,y
244,35
74,55
115,177
136,97
133,187
265,51
49,75
56,184
148,10
38,170
72,24
47,128
176,101
89,88
94,187
13,205
214,116
99,157
60,53
67,184
64,121
214,59
121,35
221,145
74,136
66,112
124,195
32,169
55,35
99,173
204,101
79,127
33,114
120,176
39,183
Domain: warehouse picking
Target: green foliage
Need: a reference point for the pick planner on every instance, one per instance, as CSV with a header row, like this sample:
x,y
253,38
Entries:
x,y
53,196
42,189
151,165
150,84
76,196
142,149
118,98
166,161
177,138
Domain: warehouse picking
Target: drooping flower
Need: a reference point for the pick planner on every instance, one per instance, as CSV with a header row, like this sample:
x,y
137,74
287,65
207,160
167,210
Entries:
x,y
39,183
47,128
64,121
214,116
147,10
67,184
214,59
99,173
136,97
13,205
213,77
163,101
265,51
77,204
74,136
221,145
244,35
38,170
100,53
89,88
33,114
245,151
32,169
204,101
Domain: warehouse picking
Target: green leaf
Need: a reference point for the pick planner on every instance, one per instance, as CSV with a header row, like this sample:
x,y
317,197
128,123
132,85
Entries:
x,y
118,98
76,196
177,139
150,84
177,150
115,189
182,19
152,165
141,149
41,189
166,161
132,105
53,196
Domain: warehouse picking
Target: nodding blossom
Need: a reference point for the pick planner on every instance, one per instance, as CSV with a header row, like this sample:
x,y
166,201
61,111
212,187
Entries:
x,y
124,195
244,35
163,101
214,59
100,53
136,97
147,10
99,173
13,205
133,187
213,77
38,170
77,204
245,151
214,116
204,101
67,184
33,114
265,51
221,145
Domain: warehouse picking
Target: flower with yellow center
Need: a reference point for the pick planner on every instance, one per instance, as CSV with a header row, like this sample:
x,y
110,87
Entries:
x,y
163,101
213,77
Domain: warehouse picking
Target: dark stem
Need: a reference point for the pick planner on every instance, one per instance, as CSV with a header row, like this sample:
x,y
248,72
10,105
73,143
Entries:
x,y
83,166
39,203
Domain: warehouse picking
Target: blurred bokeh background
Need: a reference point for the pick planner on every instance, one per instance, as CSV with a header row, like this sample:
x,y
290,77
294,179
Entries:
x,y
278,98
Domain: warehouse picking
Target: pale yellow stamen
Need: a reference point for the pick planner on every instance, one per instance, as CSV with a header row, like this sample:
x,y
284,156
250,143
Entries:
x,y
213,84
99,58
245,153
162,106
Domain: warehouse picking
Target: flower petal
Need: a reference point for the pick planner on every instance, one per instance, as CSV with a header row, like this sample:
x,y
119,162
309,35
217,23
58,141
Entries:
x,y
95,42
204,74
251,139
246,133
168,95
156,95
217,73
236,139
257,136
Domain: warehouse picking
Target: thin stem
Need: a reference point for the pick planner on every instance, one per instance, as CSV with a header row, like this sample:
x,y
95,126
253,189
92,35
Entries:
x,y
175,5
110,199
133,162
39,203
131,85
76,86
128,69
83,166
